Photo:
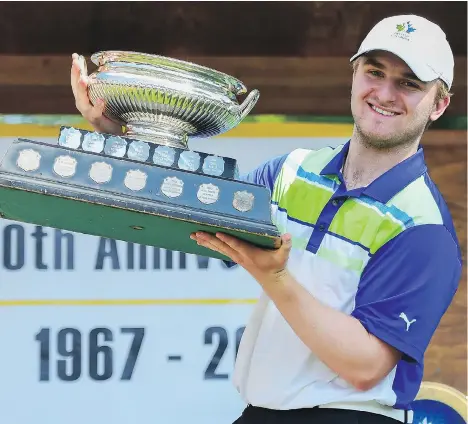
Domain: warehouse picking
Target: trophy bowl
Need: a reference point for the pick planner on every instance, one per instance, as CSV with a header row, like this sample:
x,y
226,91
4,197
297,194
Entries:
x,y
164,100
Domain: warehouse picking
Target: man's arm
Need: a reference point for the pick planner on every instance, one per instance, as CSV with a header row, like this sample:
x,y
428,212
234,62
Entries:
x,y
340,341
416,273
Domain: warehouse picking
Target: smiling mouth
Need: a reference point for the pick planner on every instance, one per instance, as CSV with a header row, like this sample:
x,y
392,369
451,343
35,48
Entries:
x,y
382,112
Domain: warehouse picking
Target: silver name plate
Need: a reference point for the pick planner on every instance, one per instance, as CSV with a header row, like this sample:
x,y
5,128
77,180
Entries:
x,y
28,160
138,150
164,156
100,172
208,193
243,201
135,179
65,166
70,137
190,161
213,165
115,146
93,142
172,187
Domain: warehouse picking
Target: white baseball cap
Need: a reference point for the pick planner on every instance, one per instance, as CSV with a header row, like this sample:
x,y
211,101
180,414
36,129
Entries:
x,y
420,43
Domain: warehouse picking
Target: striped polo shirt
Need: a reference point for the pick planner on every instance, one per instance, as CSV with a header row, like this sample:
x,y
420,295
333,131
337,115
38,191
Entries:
x,y
386,254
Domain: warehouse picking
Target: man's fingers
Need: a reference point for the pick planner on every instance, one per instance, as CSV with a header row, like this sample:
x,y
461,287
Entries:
x,y
286,245
98,108
79,83
80,89
97,113
211,242
94,114
74,76
210,246
233,242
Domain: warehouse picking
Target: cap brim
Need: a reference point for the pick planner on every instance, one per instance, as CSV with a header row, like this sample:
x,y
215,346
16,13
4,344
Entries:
x,y
419,67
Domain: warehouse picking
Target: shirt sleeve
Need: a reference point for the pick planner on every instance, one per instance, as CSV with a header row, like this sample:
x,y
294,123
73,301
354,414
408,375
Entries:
x,y
407,286
264,175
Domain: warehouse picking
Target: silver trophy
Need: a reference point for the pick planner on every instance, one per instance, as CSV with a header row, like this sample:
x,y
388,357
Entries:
x,y
166,101
144,186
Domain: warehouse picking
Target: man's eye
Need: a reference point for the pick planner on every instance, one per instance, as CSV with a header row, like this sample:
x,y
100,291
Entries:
x,y
410,84
376,73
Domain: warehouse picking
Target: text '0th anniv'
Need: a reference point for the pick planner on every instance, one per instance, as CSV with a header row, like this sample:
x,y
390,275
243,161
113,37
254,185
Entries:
x,y
47,249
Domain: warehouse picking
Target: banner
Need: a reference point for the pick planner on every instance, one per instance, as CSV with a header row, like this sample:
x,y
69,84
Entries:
x,y
96,330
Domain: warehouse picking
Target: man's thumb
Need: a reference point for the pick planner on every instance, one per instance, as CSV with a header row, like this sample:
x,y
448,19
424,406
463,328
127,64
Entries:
x,y
286,242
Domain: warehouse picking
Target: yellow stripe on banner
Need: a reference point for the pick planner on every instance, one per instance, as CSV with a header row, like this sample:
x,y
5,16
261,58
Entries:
x,y
124,302
33,130
254,129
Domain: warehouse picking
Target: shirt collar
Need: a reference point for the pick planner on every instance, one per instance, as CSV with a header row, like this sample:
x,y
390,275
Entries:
x,y
388,184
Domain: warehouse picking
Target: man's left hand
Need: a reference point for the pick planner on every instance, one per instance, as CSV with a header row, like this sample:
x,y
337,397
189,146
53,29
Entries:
x,y
263,264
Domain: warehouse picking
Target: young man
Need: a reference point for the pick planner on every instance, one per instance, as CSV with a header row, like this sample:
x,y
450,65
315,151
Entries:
x,y
369,260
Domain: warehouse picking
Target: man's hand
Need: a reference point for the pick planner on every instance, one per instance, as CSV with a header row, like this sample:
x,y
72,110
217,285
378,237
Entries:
x,y
92,113
264,265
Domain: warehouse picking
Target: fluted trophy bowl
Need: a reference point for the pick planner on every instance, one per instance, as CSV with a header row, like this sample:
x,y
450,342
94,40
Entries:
x,y
167,101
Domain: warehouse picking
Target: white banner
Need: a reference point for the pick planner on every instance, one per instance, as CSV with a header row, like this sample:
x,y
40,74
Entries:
x,y
96,330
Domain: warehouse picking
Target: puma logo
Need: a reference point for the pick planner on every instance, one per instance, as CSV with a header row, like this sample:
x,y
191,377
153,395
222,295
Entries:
x,y
408,322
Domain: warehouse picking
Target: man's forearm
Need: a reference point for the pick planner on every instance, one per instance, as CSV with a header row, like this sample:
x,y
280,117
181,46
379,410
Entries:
x,y
337,339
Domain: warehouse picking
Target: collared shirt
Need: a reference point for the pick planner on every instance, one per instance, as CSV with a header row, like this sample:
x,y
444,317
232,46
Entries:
x,y
386,254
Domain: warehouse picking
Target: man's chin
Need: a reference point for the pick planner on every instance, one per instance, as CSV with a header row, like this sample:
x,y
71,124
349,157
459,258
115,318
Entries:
x,y
382,136
377,137
381,140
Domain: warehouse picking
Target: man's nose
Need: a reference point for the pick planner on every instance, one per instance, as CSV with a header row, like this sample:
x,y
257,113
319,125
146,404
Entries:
x,y
386,93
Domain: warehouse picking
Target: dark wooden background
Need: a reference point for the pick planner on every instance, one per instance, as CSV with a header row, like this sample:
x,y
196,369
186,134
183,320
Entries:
x,y
296,53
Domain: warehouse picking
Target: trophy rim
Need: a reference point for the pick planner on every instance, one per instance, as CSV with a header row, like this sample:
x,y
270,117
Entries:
x,y
105,56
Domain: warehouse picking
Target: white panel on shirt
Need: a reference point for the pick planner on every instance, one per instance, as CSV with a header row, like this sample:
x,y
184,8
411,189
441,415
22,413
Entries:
x,y
274,368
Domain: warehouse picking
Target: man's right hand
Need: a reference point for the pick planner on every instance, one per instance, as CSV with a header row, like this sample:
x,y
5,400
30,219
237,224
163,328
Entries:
x,y
92,113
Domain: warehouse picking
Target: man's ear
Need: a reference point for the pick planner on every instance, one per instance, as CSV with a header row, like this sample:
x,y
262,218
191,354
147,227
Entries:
x,y
439,108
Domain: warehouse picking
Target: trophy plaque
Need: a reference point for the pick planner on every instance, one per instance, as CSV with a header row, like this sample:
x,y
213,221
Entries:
x,y
144,186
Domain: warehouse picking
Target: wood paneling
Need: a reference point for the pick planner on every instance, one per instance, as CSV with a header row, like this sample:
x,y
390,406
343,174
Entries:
x,y
295,53
288,85
284,28
446,358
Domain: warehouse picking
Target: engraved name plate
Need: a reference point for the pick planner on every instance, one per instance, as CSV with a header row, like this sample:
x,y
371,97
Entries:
x,y
70,137
213,165
208,193
190,161
93,142
135,179
115,146
100,172
138,150
163,156
29,160
65,166
172,186
243,201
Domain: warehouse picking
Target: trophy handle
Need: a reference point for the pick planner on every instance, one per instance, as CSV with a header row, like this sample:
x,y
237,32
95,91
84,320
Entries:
x,y
249,103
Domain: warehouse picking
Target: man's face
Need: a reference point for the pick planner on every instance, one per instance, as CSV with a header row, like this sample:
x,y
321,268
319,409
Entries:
x,y
390,106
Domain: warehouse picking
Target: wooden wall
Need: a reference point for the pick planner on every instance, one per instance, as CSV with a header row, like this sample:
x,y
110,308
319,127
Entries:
x,y
295,53
446,359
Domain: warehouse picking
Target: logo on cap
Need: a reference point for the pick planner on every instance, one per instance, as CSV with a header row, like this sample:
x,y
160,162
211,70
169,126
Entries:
x,y
408,27
403,30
